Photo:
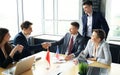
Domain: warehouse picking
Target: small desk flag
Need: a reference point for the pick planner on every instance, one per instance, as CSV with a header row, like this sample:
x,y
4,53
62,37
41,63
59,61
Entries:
x,y
48,56
57,53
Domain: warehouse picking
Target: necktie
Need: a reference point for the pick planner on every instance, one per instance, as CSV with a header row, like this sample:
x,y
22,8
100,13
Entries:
x,y
70,46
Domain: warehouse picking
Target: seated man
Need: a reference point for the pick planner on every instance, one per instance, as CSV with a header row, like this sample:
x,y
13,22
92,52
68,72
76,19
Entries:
x,y
22,39
72,43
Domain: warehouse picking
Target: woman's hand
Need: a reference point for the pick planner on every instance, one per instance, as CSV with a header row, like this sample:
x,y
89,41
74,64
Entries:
x,y
75,61
19,48
92,59
16,48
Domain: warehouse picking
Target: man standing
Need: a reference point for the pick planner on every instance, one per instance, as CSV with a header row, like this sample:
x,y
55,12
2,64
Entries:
x,y
92,20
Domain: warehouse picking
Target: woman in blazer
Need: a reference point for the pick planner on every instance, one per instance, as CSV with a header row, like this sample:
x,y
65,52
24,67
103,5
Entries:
x,y
97,49
7,54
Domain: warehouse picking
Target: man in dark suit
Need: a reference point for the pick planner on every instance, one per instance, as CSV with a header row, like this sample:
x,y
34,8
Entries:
x,y
78,42
22,39
92,20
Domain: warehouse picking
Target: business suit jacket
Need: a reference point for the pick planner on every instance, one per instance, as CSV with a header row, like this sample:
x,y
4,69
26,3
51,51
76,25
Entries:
x,y
77,47
103,52
21,39
4,62
98,22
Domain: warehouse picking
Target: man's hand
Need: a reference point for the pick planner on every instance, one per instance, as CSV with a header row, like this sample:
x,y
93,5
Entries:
x,y
46,45
69,57
19,48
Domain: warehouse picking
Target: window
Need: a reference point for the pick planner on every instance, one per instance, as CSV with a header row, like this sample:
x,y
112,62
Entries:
x,y
8,18
47,16
32,12
59,14
114,33
68,9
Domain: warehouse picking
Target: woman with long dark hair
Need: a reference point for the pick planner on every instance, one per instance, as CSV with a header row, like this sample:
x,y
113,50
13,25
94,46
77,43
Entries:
x,y
7,54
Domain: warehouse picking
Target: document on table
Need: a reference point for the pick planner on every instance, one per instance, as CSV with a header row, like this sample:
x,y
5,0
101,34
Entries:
x,y
89,61
60,60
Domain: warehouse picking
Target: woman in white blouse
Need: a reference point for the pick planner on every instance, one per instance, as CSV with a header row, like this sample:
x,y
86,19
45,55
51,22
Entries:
x,y
97,48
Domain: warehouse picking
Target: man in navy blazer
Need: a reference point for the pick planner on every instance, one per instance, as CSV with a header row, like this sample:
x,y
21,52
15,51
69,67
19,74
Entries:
x,y
78,44
22,39
92,20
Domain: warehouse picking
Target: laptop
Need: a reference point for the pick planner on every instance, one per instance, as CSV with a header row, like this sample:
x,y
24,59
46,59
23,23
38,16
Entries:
x,y
21,66
97,71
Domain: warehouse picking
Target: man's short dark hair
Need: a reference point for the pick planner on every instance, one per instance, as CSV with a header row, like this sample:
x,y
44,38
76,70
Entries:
x,y
26,25
76,24
87,3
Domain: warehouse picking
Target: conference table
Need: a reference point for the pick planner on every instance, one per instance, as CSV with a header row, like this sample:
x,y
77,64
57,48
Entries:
x,y
56,67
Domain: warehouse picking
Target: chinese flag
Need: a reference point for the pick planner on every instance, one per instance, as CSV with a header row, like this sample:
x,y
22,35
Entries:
x,y
48,56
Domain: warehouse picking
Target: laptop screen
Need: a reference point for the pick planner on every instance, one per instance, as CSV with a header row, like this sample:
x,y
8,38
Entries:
x,y
21,66
97,71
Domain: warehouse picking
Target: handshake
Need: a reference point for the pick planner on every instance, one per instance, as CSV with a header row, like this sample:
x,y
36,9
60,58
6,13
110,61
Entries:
x,y
46,45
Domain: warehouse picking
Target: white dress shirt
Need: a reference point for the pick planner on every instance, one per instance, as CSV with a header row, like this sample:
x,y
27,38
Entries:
x,y
26,36
89,25
74,38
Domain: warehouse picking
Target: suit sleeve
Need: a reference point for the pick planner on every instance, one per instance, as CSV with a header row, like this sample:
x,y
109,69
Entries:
x,y
107,54
84,27
22,41
85,52
35,47
81,47
6,62
17,56
104,24
19,40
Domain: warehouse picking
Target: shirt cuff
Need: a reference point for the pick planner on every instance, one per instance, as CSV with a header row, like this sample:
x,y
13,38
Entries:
x,y
73,55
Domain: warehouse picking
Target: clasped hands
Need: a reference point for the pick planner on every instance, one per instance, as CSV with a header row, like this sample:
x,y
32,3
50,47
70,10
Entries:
x,y
46,45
